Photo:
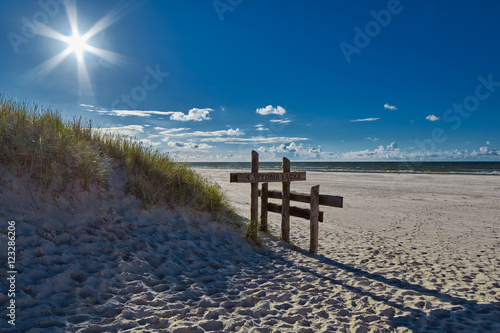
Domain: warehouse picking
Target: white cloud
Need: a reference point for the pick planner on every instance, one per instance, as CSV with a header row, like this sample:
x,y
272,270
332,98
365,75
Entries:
x,y
129,130
432,118
388,152
487,142
135,113
281,121
365,119
230,132
257,140
170,131
372,139
125,113
173,132
194,114
484,152
392,152
188,145
261,128
292,148
148,142
206,156
271,110
390,107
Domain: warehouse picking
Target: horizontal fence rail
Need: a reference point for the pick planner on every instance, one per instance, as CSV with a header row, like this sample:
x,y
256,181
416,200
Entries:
x,y
313,214
304,213
325,200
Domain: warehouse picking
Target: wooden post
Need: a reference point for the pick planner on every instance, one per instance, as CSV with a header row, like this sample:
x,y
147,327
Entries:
x,y
285,204
263,207
313,248
254,203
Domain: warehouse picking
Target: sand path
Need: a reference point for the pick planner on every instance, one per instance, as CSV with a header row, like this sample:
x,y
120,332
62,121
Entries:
x,y
406,253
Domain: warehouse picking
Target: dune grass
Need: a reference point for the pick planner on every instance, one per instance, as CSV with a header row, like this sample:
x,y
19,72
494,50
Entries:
x,y
53,153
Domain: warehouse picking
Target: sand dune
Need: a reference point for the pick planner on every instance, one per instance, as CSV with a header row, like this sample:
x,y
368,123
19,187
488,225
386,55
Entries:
x,y
406,253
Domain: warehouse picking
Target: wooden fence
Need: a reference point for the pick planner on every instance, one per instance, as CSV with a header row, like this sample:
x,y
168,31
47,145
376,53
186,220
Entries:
x,y
313,214
285,177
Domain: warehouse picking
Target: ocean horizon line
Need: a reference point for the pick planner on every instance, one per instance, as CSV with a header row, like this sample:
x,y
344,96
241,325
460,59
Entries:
x,y
427,167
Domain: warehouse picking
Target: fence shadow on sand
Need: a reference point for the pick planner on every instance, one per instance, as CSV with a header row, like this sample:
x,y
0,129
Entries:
x,y
464,316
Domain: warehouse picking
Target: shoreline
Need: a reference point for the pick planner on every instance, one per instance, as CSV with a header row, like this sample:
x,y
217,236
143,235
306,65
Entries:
x,y
453,168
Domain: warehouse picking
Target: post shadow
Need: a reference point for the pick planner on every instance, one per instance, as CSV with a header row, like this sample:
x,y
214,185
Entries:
x,y
483,317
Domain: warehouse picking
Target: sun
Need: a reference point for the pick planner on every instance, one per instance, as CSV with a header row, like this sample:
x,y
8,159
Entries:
x,y
77,44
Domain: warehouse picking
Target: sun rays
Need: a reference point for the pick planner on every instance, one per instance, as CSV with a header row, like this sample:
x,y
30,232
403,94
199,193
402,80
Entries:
x,y
79,44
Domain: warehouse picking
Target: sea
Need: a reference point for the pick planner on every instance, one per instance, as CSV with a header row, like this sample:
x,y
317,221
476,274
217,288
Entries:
x,y
464,168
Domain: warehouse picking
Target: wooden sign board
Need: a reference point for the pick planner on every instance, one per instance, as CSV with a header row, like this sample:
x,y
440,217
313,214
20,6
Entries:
x,y
267,177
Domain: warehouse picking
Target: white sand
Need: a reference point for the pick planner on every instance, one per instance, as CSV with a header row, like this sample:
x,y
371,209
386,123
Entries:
x,y
419,252
406,253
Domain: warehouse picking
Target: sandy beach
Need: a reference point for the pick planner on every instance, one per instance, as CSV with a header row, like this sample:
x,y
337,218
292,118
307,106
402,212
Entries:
x,y
407,253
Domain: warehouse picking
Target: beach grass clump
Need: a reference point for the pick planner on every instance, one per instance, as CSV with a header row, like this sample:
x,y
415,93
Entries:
x,y
156,178
53,153
37,143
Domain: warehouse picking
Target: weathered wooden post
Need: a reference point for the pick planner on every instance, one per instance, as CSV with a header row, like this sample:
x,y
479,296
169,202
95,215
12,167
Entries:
x,y
254,177
254,204
263,207
314,208
285,204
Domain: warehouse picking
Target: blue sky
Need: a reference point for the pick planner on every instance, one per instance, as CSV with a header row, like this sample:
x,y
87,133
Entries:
x,y
310,80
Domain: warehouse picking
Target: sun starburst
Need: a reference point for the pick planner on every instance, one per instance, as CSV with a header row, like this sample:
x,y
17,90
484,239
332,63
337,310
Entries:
x,y
79,44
